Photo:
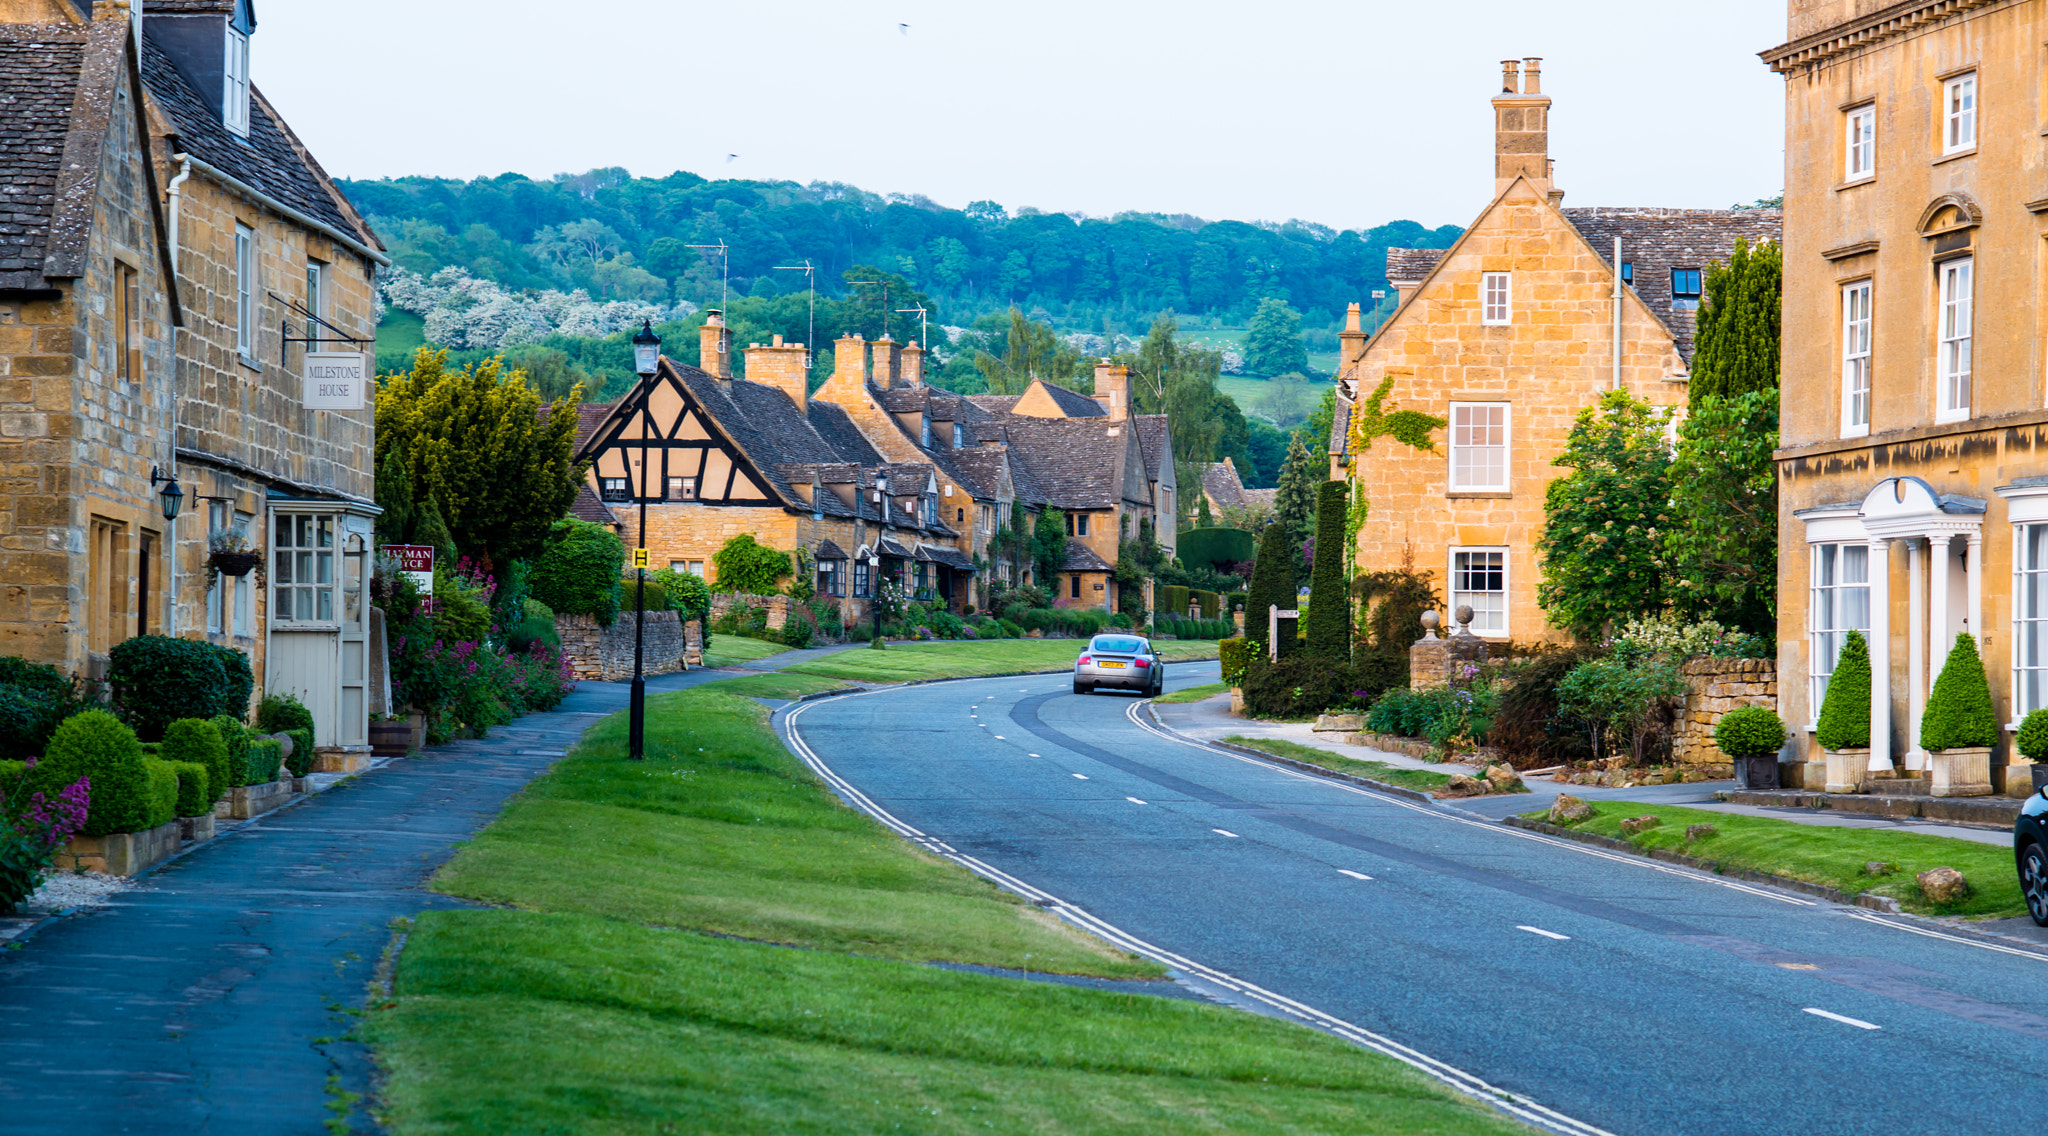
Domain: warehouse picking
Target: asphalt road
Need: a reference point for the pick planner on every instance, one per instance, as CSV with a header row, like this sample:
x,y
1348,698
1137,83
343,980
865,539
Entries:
x,y
1607,992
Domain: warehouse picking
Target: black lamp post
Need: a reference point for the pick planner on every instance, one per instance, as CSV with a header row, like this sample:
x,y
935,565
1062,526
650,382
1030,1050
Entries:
x,y
646,360
171,497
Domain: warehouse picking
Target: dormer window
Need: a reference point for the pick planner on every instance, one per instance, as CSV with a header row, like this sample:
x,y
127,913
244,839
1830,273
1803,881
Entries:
x,y
234,107
1685,287
927,432
959,436
931,508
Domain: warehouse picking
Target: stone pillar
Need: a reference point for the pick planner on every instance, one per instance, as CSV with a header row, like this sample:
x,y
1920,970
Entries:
x,y
1429,658
1880,655
1939,636
1973,569
1916,652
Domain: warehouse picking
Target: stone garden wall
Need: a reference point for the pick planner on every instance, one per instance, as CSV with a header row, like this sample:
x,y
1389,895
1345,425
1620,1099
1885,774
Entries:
x,y
1712,688
778,606
605,654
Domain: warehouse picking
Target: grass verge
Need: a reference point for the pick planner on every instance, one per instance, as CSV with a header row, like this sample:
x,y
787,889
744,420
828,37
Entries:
x,y
1421,780
598,1007
726,650
1196,693
911,662
1831,857
776,685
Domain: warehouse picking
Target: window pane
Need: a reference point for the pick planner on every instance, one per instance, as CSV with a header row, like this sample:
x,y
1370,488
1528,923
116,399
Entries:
x,y
284,568
325,597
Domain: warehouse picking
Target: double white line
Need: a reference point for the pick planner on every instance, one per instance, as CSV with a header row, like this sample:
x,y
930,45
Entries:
x,y
1515,1104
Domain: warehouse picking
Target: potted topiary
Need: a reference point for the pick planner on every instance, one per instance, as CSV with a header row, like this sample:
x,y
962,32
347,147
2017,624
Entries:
x,y
1844,727
1751,736
1958,729
2032,742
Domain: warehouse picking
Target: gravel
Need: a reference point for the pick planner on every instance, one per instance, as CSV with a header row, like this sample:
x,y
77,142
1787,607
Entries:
x,y
75,889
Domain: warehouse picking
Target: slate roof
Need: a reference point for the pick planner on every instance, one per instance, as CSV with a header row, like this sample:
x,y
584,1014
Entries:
x,y
827,550
1221,483
39,70
1656,241
1081,558
1407,266
1076,405
901,400
271,159
1073,461
981,469
888,547
950,557
586,507
993,404
1153,440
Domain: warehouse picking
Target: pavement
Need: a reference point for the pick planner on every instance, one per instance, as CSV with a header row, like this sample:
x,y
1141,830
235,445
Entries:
x,y
210,997
1623,993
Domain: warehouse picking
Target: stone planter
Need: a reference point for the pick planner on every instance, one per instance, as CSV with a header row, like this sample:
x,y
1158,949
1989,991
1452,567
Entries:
x,y
1960,772
1339,723
192,830
418,724
1848,770
341,759
391,739
1237,702
246,801
122,853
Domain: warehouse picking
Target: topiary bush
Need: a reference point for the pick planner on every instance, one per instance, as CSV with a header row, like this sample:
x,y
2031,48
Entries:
x,y
1958,714
34,697
265,756
198,741
96,745
241,682
234,736
1329,615
281,712
1845,708
162,794
578,570
1749,731
195,788
2032,741
300,762
157,680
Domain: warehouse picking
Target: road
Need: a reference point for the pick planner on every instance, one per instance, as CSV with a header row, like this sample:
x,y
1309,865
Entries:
x,y
1604,991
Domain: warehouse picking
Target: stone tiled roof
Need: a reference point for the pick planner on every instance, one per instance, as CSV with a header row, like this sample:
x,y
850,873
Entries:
x,y
980,469
39,71
765,424
271,159
901,400
1221,483
1656,241
1410,265
586,507
950,557
1081,558
192,7
827,550
831,423
1074,462
993,404
589,416
1340,424
888,547
1153,440
1075,404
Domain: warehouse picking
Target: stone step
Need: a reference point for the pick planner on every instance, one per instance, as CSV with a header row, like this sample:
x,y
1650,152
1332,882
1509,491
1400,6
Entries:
x,y
1977,812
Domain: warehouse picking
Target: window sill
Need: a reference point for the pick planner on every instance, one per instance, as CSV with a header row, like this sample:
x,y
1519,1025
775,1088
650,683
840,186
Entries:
x,y
1968,153
278,626
1943,417
1856,431
1482,494
1852,183
252,364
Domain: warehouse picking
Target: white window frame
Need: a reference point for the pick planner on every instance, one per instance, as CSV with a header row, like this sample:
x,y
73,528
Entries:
x,y
305,569
2029,621
1825,642
1959,113
245,290
1856,324
316,300
234,106
1955,284
217,602
1479,618
1506,447
1859,143
1496,298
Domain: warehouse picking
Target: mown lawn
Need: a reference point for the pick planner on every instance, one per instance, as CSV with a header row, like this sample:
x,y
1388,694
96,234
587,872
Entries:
x,y
775,684
596,1005
1196,693
1832,857
910,662
1421,780
726,650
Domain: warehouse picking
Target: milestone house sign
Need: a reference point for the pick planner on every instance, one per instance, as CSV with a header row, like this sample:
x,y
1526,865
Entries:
x,y
336,380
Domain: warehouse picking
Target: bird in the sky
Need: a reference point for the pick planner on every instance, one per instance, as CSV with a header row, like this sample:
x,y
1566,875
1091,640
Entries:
x,y
904,28
729,158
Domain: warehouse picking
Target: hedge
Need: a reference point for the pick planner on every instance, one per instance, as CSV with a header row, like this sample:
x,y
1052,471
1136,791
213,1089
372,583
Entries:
x,y
1215,547
34,697
300,762
1272,585
235,736
157,680
163,792
195,788
281,712
96,745
1749,731
1210,601
1958,714
265,755
1297,686
578,570
198,741
1329,612
1235,653
1173,600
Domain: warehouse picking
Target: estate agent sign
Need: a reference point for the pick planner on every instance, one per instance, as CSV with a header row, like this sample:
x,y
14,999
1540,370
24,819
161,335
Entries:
x,y
416,561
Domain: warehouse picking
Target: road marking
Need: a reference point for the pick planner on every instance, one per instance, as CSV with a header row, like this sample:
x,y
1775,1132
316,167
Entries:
x,y
1031,755
1134,800
1858,1023
999,737
1080,776
1541,931
1231,835
1352,874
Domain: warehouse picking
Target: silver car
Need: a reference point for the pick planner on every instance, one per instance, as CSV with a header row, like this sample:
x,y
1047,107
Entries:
x,y
1125,661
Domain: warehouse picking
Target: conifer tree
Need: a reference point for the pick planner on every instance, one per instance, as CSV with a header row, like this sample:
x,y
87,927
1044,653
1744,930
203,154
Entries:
x,y
1329,603
1203,518
1294,505
394,496
1958,713
1845,708
1272,582
1736,348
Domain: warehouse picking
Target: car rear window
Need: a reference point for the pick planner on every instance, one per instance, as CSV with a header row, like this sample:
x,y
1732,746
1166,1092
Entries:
x,y
1117,644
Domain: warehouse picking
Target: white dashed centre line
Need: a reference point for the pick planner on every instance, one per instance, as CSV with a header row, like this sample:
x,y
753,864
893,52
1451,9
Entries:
x,y
1081,776
1352,874
1032,755
1857,1022
1542,932
999,737
1222,832
1134,800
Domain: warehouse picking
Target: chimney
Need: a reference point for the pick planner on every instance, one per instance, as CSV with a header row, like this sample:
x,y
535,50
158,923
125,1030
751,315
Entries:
x,y
1113,389
714,350
781,365
1351,341
912,367
1521,127
887,362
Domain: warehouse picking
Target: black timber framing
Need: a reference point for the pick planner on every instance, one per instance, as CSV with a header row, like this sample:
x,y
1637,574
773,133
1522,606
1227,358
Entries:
x,y
657,436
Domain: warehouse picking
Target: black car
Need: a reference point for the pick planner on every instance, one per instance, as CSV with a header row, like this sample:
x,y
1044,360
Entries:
x,y
2030,850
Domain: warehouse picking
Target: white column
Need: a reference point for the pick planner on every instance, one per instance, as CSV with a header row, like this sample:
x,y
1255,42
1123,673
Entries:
x,y
1940,637
1916,652
1880,655
1974,570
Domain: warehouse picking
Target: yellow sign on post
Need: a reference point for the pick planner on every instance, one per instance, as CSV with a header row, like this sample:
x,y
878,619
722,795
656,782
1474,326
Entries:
x,y
639,558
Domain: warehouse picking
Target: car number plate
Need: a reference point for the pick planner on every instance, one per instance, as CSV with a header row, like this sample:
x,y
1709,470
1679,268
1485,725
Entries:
x,y
1113,665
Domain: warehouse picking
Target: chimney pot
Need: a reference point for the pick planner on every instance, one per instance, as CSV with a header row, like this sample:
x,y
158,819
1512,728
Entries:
x,y
1508,83
1532,71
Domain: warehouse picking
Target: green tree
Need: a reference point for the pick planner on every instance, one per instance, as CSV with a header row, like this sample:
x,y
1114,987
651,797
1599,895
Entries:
x,y
1031,350
1049,549
577,572
477,448
1179,380
1294,506
1315,433
1736,347
1722,542
1203,518
394,496
1272,583
1329,603
1272,340
1600,552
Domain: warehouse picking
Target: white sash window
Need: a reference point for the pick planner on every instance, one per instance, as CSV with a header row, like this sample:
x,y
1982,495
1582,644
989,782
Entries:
x,y
1841,604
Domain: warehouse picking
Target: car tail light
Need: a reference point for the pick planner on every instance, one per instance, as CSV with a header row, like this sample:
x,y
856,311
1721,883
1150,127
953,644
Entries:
x,y
1083,661
1142,663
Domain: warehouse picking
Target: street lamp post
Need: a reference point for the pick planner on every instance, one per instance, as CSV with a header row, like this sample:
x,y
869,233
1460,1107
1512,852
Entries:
x,y
646,360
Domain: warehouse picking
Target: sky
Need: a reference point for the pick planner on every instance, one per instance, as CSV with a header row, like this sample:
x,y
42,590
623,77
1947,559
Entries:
x,y
1348,114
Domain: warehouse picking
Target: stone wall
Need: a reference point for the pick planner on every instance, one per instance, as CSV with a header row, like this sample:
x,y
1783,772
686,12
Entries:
x,y
1712,688
778,606
605,654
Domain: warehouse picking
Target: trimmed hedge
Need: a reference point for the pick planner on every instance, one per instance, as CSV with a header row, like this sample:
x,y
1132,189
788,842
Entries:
x,y
1215,547
1749,731
1234,653
281,712
198,741
1297,686
195,788
1958,714
265,756
1845,708
96,745
157,680
235,736
34,697
578,570
1173,601
1272,586
163,792
1209,601
300,762
1329,613
1234,600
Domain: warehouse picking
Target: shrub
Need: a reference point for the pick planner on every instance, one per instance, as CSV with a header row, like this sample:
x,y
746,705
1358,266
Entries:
x,y
1173,600
265,755
34,697
578,570
234,738
2032,741
95,745
1845,708
1391,604
1297,686
1628,696
746,565
1011,629
537,610
195,788
33,825
300,762
1749,731
462,611
1958,714
163,791
1329,616
281,712
1528,728
799,629
657,598
198,741
241,682
158,680
1235,653
1667,634
1120,620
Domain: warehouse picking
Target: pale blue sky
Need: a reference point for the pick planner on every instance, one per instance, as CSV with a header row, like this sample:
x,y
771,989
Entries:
x,y
1343,113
